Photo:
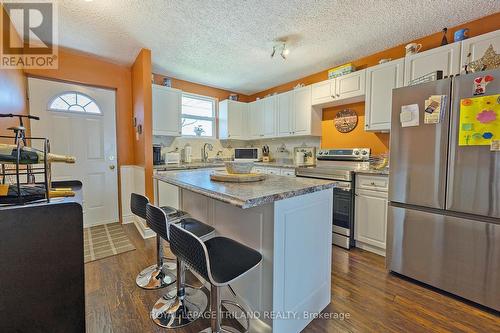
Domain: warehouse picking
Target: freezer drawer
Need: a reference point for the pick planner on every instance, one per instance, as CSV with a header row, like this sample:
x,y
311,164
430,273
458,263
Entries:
x,y
457,255
418,154
474,171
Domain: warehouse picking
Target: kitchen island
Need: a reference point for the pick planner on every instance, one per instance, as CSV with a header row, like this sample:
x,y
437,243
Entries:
x,y
289,221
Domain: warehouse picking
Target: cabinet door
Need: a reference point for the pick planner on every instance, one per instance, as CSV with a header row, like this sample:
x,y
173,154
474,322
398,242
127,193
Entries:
x,y
273,171
350,85
323,92
268,117
445,58
288,172
285,113
380,80
476,46
237,120
167,104
302,109
254,119
371,218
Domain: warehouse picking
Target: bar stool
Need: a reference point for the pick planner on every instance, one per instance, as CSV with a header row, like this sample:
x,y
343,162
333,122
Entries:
x,y
184,304
155,276
219,260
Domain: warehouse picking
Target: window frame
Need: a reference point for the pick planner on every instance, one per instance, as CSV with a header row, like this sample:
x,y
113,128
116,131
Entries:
x,y
213,119
84,112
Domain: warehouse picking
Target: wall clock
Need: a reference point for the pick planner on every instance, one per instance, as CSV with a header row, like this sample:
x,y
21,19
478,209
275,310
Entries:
x,y
346,120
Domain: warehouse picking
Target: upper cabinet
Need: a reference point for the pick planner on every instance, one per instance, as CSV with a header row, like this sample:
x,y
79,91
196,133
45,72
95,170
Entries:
x,y
262,118
344,89
476,46
167,108
296,116
285,122
445,58
233,120
380,80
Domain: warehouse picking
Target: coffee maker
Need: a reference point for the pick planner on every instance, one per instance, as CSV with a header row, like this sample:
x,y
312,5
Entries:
x,y
157,158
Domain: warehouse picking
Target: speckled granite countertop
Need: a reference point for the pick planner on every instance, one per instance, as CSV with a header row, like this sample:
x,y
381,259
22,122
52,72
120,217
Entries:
x,y
202,165
244,195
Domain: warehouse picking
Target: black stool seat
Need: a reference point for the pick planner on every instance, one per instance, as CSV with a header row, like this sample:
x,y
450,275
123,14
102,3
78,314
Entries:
x,y
169,210
196,227
230,259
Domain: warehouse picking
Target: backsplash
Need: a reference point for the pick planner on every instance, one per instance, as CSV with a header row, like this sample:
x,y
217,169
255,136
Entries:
x,y
226,146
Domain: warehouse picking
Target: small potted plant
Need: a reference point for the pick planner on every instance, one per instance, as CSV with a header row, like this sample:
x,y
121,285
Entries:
x,y
198,130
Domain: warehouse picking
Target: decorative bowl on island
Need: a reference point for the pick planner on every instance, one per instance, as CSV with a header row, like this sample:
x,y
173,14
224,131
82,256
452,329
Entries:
x,y
239,167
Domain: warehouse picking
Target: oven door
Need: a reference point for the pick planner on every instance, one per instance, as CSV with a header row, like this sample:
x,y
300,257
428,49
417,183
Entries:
x,y
343,217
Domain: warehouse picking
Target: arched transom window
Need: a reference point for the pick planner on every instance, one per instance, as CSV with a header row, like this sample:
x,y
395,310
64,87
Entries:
x,y
74,102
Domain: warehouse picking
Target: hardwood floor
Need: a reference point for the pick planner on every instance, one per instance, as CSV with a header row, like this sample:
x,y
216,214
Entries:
x,y
365,298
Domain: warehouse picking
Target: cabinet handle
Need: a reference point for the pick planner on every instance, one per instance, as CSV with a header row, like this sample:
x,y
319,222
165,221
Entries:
x,y
338,95
333,96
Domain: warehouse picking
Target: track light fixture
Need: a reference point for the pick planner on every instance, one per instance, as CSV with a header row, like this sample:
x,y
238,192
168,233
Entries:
x,y
282,49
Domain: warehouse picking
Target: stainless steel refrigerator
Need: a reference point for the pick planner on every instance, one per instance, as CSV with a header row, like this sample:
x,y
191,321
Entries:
x,y
444,197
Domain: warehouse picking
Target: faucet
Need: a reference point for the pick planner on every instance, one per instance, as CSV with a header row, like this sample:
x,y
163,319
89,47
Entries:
x,y
204,153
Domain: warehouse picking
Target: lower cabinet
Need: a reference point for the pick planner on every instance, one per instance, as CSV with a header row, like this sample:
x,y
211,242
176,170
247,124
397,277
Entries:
x,y
275,171
370,225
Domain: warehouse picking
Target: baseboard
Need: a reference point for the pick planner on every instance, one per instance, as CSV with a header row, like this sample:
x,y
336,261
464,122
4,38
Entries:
x,y
127,219
143,229
100,223
370,248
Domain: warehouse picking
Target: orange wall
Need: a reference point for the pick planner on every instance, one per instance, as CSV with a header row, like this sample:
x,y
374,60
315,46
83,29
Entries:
x,y
12,95
81,68
378,142
200,89
143,112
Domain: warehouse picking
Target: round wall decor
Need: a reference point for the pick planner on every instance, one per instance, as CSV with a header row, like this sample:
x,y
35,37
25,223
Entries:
x,y
346,120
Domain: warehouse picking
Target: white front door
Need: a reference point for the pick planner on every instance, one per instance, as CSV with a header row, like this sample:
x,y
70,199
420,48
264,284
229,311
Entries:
x,y
81,123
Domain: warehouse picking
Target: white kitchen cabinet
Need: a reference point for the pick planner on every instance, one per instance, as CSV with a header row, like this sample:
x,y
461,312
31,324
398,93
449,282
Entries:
x,y
296,116
273,171
287,172
344,89
371,202
233,120
268,119
476,46
445,58
167,108
323,92
262,118
306,120
350,85
285,107
380,80
255,119
259,170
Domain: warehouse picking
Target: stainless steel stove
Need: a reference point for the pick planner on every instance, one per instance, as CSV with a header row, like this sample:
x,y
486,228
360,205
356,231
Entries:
x,y
339,165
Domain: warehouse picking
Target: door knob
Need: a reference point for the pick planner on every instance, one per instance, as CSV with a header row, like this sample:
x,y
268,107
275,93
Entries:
x,y
112,167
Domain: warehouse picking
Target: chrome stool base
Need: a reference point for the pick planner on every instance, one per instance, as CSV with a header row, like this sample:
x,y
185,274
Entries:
x,y
152,277
223,329
176,312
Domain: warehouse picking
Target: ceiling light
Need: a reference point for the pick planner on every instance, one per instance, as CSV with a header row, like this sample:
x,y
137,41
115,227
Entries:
x,y
283,50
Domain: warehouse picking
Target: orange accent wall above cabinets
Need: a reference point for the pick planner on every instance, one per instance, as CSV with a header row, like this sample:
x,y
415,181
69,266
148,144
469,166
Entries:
x,y
200,89
378,142
81,68
142,96
476,27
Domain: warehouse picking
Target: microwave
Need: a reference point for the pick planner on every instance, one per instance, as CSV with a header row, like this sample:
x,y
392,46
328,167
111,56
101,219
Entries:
x,y
247,154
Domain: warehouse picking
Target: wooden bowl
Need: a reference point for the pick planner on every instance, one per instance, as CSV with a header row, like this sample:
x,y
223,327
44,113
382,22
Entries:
x,y
239,167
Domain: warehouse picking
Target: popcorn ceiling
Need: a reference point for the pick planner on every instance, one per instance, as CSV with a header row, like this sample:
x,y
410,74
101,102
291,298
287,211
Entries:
x,y
227,43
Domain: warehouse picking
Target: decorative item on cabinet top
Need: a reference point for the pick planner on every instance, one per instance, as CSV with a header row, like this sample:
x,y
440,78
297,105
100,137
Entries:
x,y
490,60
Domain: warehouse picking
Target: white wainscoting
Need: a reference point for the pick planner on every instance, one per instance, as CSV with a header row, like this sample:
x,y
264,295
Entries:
x,y
133,181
